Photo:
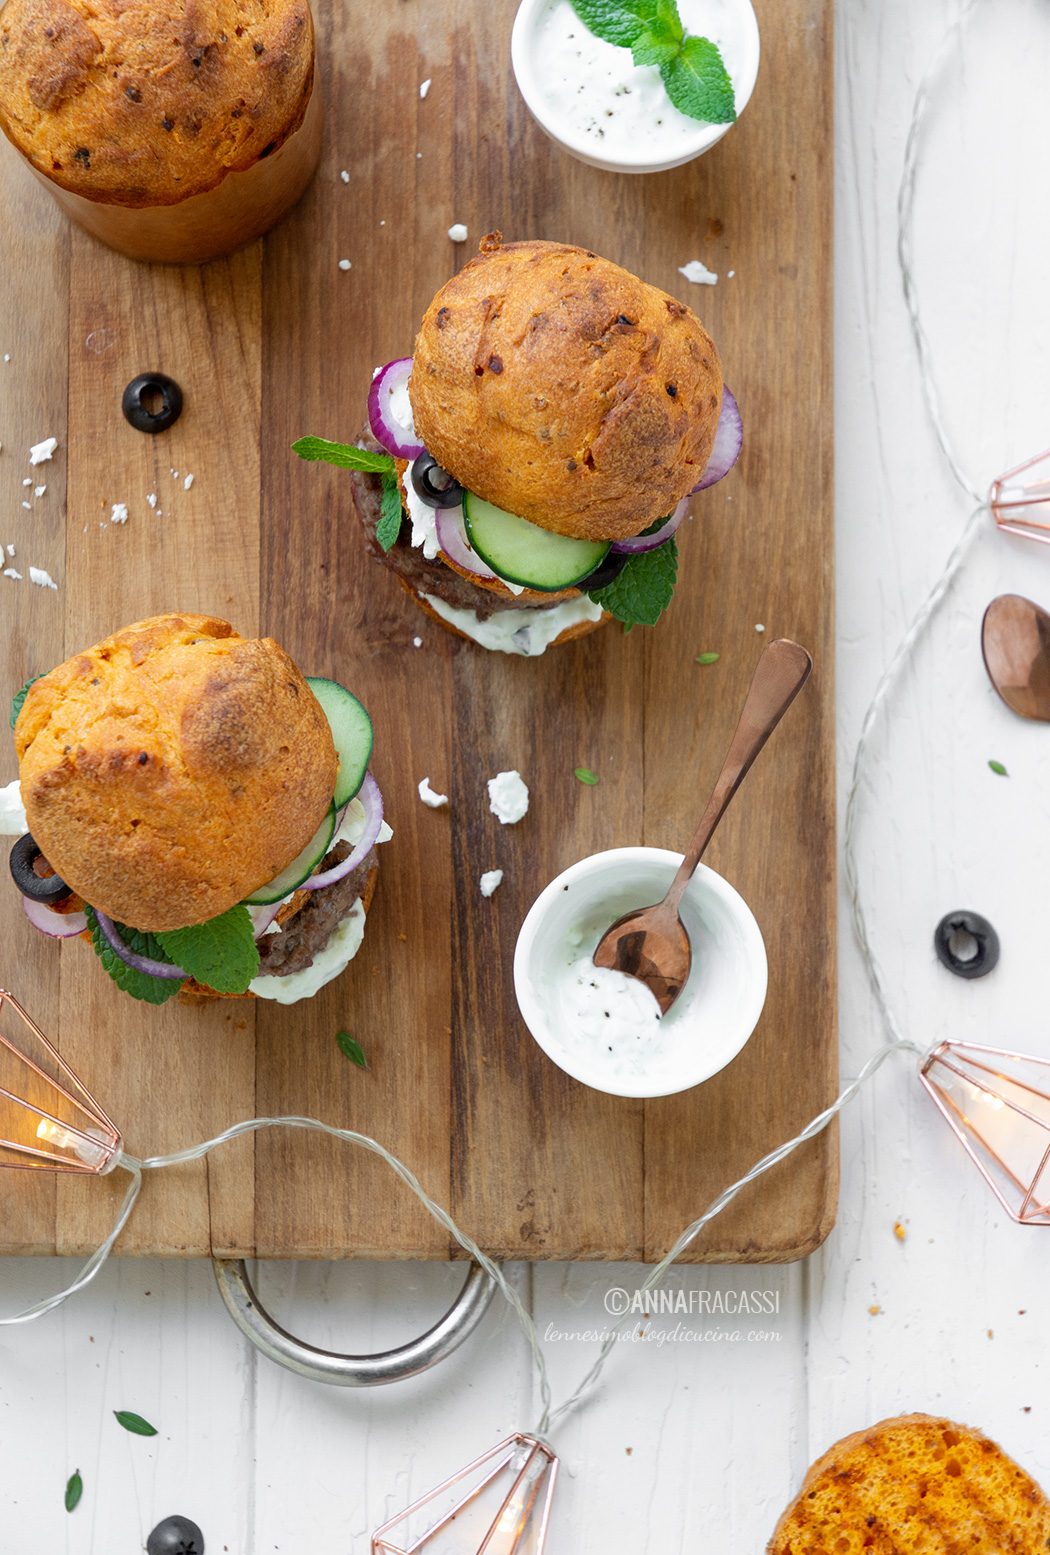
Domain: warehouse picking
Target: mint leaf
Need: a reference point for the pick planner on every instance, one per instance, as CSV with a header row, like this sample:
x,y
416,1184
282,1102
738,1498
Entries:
x,y
585,775
134,1423
616,21
351,1049
221,954
698,83
654,46
998,768
347,456
74,1490
643,590
19,698
389,525
152,990
708,658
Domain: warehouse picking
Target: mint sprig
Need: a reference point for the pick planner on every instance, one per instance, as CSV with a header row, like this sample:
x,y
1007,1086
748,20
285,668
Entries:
x,y
134,1423
221,954
152,990
641,593
347,456
692,67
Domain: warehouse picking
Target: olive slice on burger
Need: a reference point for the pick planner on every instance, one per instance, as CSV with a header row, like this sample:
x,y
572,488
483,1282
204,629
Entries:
x,y
198,809
527,469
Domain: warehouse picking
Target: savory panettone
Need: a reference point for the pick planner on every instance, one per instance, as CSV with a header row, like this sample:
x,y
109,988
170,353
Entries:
x,y
173,769
560,387
147,102
915,1485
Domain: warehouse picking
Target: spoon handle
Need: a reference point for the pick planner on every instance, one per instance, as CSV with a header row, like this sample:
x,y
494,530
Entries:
x,y
781,673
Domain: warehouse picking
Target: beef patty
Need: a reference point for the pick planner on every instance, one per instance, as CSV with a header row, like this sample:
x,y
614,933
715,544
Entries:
x,y
305,935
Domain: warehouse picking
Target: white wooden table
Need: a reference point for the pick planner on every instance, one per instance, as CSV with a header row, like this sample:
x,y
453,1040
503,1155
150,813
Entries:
x,y
698,1446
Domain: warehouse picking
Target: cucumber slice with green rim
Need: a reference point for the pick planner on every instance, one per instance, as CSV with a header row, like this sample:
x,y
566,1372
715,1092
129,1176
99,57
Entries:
x,y
352,732
524,553
301,867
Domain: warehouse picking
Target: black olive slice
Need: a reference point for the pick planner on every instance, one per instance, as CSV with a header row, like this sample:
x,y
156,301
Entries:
x,y
433,485
966,944
607,571
47,889
152,402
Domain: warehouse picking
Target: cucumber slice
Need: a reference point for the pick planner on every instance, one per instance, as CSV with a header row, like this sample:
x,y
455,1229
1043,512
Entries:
x,y
524,553
300,869
352,732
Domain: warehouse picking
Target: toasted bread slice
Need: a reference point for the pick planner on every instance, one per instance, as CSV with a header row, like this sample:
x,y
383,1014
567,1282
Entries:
x,y
915,1485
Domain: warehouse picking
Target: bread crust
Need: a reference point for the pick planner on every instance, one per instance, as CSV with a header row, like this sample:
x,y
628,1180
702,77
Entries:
x,y
193,992
560,387
172,769
146,102
910,1483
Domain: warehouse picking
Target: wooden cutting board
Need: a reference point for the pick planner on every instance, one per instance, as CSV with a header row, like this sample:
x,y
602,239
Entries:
x,y
278,341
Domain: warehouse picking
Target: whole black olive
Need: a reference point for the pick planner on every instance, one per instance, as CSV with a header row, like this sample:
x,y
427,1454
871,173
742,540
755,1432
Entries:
x,y
433,485
49,889
175,1536
966,944
607,571
152,402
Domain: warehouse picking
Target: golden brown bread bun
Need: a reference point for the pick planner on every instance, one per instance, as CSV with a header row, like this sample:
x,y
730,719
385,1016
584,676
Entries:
x,y
174,768
915,1485
564,389
145,102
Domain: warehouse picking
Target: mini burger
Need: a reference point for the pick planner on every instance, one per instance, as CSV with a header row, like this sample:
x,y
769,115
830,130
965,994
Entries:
x,y
528,468
198,810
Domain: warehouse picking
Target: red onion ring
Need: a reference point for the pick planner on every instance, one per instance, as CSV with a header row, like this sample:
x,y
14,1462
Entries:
x,y
262,917
58,925
372,803
729,439
639,543
452,538
397,438
139,963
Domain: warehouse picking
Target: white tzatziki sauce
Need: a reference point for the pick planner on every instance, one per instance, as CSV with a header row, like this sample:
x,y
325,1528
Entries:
x,y
597,92
525,632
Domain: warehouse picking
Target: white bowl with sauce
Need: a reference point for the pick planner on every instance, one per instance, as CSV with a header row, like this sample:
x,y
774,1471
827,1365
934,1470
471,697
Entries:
x,y
593,101
606,1033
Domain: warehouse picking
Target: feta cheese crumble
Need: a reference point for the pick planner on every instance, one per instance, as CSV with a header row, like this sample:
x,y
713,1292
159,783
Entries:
x,y
118,513
42,578
458,232
508,797
424,87
344,264
42,451
490,881
187,483
698,273
430,798
345,176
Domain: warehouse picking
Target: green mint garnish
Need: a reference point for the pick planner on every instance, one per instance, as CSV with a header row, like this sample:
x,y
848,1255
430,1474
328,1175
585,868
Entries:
x,y
708,658
692,67
585,775
19,698
221,954
391,513
74,1490
134,1423
346,456
642,591
351,1049
698,83
152,990
998,768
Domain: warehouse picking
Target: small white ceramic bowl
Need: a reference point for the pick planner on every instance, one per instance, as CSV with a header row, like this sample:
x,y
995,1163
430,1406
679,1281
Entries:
x,y
715,1013
695,138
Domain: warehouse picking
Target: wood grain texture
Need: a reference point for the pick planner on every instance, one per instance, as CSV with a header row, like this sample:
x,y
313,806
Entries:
x,y
278,341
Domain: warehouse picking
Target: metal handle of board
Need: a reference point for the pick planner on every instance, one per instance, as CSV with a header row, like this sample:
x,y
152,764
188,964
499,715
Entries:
x,y
351,1371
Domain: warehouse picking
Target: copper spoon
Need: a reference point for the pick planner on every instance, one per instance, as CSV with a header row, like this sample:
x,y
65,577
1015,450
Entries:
x,y
651,943
1015,641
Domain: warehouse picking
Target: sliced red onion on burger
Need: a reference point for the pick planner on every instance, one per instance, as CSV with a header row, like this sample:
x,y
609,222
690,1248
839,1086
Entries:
x,y
145,964
452,538
390,426
262,917
59,925
729,439
372,804
649,542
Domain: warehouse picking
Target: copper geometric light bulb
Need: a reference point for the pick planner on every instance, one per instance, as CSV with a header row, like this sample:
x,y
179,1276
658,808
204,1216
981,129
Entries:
x,y
998,1106
1020,499
498,1505
48,1120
